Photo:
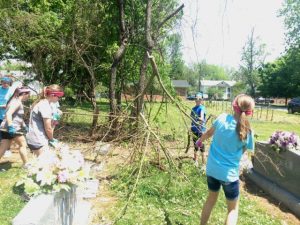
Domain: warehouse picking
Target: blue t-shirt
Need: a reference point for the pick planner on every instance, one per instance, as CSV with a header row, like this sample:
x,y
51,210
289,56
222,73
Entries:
x,y
198,112
226,149
4,96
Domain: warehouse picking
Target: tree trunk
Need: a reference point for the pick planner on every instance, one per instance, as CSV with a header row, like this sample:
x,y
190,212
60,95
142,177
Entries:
x,y
117,59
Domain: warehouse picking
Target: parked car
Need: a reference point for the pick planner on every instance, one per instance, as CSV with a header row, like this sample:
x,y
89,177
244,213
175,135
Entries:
x,y
262,100
294,105
191,97
194,96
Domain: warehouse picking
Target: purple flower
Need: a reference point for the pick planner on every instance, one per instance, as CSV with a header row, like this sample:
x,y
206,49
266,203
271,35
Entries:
x,y
62,176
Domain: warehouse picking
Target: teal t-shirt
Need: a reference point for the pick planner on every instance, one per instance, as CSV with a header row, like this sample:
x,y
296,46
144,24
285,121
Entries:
x,y
226,149
4,96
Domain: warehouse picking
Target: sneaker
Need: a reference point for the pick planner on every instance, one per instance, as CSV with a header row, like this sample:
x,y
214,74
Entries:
x,y
203,169
26,166
196,163
7,154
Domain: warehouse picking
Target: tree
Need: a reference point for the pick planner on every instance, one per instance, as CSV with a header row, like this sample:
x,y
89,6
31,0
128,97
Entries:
x,y
253,56
291,11
175,57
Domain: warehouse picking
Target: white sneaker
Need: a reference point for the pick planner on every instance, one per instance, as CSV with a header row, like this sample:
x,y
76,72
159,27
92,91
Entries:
x,y
26,166
203,169
7,154
196,163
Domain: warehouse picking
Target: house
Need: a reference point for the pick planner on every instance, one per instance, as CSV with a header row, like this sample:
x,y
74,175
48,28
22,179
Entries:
x,y
225,85
181,87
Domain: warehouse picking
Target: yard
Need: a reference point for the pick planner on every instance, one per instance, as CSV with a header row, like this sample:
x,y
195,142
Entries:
x,y
161,195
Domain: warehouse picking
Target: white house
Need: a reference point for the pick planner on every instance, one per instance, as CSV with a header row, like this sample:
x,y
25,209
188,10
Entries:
x,y
225,85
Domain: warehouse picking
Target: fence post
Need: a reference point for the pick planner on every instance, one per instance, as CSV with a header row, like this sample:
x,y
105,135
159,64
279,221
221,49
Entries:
x,y
272,114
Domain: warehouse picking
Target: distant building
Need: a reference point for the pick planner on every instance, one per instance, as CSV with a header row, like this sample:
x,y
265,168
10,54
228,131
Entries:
x,y
225,85
181,87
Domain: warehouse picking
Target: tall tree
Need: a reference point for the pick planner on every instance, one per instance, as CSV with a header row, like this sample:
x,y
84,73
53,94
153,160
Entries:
x,y
253,56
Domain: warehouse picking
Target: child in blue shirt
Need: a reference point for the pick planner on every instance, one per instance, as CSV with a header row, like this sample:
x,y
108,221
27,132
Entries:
x,y
5,94
231,137
198,127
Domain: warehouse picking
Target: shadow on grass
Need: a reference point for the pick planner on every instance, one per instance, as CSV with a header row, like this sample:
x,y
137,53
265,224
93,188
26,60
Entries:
x,y
6,165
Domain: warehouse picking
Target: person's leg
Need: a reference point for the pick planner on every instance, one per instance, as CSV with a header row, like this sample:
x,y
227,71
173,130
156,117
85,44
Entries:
x,y
213,187
21,142
231,190
208,206
196,148
5,144
232,212
202,152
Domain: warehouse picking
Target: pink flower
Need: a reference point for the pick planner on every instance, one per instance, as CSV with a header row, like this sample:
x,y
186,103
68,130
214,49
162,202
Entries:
x,y
62,176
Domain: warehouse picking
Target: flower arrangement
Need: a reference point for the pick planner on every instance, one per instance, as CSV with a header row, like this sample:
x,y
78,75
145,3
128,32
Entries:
x,y
55,170
283,140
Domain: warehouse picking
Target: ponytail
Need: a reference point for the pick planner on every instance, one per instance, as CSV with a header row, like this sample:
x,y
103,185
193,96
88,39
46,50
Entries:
x,y
243,106
243,126
41,96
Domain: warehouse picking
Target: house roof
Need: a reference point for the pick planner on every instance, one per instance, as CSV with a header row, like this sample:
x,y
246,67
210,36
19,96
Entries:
x,y
180,83
221,83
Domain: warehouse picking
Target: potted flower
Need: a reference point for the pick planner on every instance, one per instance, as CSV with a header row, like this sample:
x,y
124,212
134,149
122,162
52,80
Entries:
x,y
278,160
56,173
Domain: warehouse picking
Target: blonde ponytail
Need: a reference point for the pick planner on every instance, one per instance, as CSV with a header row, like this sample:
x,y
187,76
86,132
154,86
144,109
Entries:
x,y
243,105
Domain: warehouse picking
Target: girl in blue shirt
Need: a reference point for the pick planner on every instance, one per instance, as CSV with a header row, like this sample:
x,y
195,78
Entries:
x,y
231,137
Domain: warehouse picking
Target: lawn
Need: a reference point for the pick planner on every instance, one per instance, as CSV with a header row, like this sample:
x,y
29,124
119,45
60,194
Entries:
x,y
10,200
163,198
160,197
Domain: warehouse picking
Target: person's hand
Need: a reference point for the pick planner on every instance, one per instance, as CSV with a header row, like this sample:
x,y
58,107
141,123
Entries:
x,y
11,130
199,143
53,142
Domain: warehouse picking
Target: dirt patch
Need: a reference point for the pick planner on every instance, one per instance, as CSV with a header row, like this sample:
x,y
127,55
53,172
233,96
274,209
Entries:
x,y
268,203
117,157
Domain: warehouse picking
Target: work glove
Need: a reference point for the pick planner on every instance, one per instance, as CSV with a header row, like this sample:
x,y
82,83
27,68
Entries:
x,y
56,116
53,142
199,143
26,129
11,130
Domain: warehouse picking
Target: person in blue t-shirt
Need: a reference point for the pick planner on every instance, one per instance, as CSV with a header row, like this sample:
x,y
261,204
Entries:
x,y
5,94
232,135
198,127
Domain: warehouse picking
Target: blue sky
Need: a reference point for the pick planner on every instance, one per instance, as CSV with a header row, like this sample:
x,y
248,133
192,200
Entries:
x,y
221,28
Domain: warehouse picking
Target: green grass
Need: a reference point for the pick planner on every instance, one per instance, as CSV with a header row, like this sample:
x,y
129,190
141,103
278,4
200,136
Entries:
x,y
161,198
10,200
171,122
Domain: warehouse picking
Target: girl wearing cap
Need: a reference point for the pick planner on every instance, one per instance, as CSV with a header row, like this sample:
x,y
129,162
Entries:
x,y
11,127
231,137
40,133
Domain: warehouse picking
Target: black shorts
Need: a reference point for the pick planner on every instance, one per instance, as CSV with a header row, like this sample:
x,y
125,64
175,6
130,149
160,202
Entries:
x,y
196,136
6,135
34,147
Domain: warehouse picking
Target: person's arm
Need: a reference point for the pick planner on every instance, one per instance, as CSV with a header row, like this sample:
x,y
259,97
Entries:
x,y
207,134
8,115
48,128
